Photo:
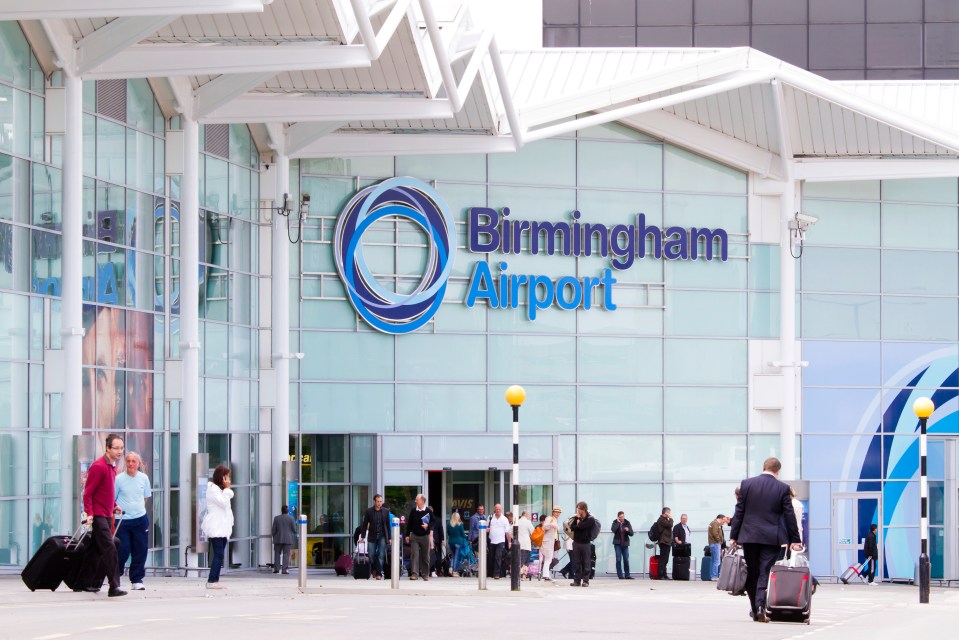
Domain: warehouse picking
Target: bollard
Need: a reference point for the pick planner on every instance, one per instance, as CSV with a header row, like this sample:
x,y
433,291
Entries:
x,y
302,553
395,546
481,573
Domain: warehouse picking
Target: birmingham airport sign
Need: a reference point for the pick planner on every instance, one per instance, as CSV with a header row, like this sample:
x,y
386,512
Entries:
x,y
490,231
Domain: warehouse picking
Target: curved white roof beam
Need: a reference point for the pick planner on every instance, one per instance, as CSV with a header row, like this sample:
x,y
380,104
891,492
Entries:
x,y
47,9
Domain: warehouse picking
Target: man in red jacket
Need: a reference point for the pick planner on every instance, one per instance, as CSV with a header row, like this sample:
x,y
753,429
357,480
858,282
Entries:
x,y
99,504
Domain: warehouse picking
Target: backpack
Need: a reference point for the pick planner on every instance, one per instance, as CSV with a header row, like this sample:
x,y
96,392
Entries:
x,y
594,532
537,536
654,532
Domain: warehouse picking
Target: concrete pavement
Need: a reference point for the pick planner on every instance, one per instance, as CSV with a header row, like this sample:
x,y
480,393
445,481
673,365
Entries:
x,y
258,605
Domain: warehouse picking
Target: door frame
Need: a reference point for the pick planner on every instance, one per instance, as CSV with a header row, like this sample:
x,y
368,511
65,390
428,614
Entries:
x,y
856,545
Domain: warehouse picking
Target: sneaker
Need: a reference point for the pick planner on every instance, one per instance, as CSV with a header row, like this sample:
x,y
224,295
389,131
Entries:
x,y
116,593
214,585
138,586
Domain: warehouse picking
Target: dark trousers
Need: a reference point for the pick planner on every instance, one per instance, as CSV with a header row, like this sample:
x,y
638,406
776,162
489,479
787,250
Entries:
x,y
105,552
760,558
581,563
134,536
870,568
663,559
281,556
499,559
218,547
420,556
622,560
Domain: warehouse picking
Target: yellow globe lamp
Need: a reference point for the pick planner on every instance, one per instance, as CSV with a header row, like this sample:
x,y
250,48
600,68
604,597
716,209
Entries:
x,y
922,407
515,395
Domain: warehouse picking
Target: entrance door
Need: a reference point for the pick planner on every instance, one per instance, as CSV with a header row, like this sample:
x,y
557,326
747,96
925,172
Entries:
x,y
463,491
943,473
852,513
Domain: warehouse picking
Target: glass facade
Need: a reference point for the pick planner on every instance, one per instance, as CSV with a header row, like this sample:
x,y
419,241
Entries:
x,y
847,40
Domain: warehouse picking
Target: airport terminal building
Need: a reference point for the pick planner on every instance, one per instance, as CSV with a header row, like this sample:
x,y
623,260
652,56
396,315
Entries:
x,y
316,240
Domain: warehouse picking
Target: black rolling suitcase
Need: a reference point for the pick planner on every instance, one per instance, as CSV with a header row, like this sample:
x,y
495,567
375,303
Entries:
x,y
681,568
789,594
57,557
361,562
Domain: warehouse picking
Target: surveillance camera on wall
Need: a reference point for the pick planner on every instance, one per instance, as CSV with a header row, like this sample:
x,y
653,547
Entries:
x,y
805,218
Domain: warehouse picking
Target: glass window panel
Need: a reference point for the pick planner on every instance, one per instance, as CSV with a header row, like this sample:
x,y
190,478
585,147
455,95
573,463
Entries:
x,y
215,418
614,131
642,503
705,361
913,318
712,274
433,407
36,128
852,270
531,203
111,151
768,446
547,162
899,358
347,356
240,192
216,352
714,212
620,409
240,144
842,222
15,62
620,165
369,167
487,448
470,167
857,190
402,477
14,189
361,459
920,272
324,458
840,316
366,408
532,358
919,226
47,197
701,501
549,409
13,455
401,448
240,352
686,171
326,509
217,195
567,458
619,360
705,409
620,458
13,513
717,458
841,363
44,520
837,410
826,456
14,121
460,358
14,323
242,298
726,311
931,190
647,322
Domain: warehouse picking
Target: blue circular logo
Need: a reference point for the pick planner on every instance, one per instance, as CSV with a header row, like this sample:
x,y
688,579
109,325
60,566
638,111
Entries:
x,y
410,199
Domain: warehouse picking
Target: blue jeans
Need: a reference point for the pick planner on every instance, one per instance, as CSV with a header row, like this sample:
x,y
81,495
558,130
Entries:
x,y
457,557
716,555
622,560
377,550
217,546
134,536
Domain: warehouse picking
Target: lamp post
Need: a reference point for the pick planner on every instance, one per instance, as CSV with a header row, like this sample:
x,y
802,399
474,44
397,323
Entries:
x,y
923,408
515,396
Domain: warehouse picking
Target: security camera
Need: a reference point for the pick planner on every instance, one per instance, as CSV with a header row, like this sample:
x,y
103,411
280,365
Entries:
x,y
805,218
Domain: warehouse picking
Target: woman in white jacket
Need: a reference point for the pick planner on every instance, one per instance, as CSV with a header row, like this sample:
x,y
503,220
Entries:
x,y
218,522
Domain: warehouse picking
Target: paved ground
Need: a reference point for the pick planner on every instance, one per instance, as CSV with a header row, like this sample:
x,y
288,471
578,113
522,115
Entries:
x,y
260,606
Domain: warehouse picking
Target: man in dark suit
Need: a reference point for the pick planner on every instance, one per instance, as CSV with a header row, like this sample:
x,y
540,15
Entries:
x,y
284,535
764,503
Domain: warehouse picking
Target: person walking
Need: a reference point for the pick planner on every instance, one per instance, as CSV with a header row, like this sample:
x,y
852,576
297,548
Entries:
x,y
871,550
764,503
582,527
524,528
132,490
717,540
456,539
500,538
376,529
418,534
99,503
474,526
665,525
218,522
622,532
550,542
284,536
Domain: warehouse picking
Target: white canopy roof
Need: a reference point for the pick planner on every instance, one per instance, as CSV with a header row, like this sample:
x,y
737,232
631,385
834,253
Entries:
x,y
320,78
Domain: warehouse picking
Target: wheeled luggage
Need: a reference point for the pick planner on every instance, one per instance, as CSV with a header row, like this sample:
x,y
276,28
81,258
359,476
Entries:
x,y
789,594
78,576
654,567
684,550
56,557
706,569
855,571
732,571
681,568
361,562
343,565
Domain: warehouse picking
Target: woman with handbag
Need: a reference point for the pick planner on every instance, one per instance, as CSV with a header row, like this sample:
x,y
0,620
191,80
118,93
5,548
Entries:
x,y
550,542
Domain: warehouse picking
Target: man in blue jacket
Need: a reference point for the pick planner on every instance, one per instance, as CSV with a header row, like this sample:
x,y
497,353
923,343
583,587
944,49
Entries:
x,y
764,503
